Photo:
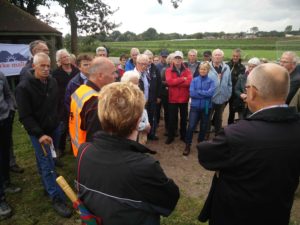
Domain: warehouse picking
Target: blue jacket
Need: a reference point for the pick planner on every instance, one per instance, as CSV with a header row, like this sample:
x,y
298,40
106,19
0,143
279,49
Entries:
x,y
129,65
201,92
72,86
223,86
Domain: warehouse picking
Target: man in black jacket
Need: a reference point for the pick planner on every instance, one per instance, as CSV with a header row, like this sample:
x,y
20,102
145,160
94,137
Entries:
x,y
256,159
236,68
37,99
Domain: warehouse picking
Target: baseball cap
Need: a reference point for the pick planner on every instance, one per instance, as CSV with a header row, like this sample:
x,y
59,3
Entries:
x,y
164,53
178,54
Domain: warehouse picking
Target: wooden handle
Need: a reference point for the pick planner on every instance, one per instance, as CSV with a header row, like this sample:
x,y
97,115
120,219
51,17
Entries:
x,y
66,188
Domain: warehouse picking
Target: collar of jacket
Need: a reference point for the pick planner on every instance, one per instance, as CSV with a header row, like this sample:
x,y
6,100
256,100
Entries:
x,y
182,68
277,114
120,141
92,85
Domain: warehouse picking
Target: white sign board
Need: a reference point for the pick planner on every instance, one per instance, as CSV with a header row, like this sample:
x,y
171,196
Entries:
x,y
13,58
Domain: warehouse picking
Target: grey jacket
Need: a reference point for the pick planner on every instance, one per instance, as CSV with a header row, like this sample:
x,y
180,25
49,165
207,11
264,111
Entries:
x,y
7,100
223,85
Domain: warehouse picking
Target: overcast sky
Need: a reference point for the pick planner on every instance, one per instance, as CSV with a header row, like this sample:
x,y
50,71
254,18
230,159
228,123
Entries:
x,y
194,16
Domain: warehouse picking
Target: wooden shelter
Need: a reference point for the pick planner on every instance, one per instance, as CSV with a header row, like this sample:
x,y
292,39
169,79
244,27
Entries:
x,y
19,27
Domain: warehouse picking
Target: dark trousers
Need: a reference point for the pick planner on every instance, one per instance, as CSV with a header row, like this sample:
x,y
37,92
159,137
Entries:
x,y
232,109
151,110
217,114
165,104
173,118
12,157
5,145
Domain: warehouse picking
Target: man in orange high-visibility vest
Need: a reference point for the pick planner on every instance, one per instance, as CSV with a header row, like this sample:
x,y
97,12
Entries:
x,y
83,119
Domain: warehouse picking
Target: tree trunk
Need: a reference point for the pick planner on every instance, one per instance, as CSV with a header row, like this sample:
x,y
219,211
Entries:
x,y
70,11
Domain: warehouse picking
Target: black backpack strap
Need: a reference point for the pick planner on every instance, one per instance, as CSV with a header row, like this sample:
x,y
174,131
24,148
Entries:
x,y
85,147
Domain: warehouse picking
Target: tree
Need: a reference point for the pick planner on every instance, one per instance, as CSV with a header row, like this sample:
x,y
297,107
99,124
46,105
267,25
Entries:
x,y
85,16
288,29
174,2
254,30
149,34
29,6
115,35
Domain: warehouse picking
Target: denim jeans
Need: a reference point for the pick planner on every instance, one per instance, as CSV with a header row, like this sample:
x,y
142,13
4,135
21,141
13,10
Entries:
x,y
46,166
194,117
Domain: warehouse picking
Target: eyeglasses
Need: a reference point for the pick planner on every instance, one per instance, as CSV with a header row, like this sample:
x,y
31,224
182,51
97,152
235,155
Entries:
x,y
143,64
285,62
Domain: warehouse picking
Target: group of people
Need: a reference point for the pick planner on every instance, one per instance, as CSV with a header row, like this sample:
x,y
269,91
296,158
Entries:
x,y
109,113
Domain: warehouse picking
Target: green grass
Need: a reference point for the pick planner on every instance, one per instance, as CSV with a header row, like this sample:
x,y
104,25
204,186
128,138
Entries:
x,y
269,48
32,207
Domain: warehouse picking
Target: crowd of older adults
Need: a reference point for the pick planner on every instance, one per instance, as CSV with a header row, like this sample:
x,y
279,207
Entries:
x,y
65,102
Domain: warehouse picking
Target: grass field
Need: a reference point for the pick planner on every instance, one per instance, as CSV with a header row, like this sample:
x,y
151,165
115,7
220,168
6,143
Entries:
x,y
32,207
269,48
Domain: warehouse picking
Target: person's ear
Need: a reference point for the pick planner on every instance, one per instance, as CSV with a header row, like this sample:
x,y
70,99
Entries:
x,y
138,123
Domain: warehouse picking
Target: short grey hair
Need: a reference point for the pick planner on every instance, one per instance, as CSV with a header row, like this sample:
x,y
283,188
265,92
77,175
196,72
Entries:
x,y
170,57
293,55
271,80
102,49
130,75
237,50
39,56
33,44
59,53
142,57
193,51
148,53
217,51
134,50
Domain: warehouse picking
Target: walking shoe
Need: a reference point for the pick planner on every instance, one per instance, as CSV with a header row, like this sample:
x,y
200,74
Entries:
x,y
61,208
187,150
5,210
169,141
16,169
10,188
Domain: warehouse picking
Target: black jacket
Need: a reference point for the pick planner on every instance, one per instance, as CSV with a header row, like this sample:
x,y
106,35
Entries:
x,y
154,80
236,69
62,79
123,185
37,104
258,163
294,84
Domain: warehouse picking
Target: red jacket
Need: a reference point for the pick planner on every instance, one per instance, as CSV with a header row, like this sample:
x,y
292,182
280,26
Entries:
x,y
178,84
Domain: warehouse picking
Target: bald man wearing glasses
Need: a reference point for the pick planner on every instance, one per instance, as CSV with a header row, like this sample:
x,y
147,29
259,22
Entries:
x,y
257,159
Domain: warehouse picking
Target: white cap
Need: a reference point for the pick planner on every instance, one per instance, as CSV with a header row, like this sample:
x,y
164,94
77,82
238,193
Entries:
x,y
178,54
254,61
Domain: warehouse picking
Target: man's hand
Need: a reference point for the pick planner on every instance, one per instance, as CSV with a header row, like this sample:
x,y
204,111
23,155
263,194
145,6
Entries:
x,y
45,139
